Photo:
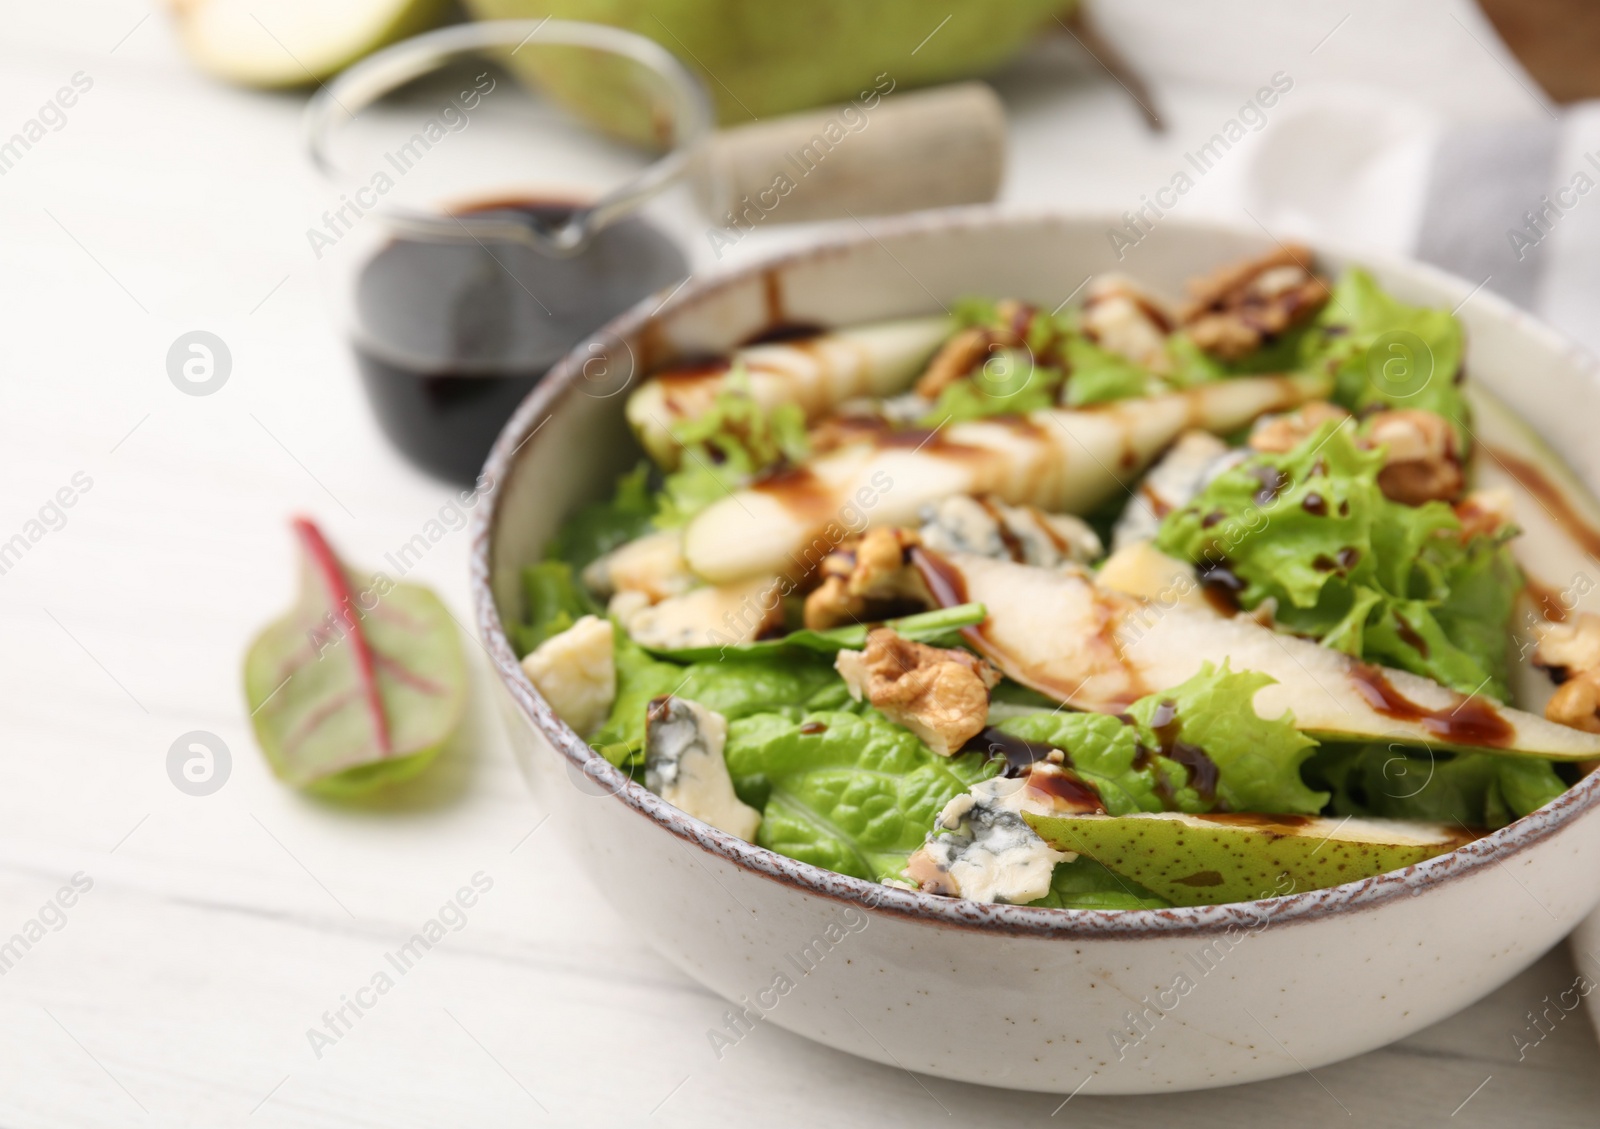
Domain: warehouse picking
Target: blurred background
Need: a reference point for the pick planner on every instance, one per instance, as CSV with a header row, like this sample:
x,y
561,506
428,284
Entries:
x,y
219,311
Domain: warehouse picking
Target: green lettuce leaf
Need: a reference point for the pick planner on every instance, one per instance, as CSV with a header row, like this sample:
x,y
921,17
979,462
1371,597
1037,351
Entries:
x,y
1010,382
1085,884
1386,354
1258,759
553,601
1098,376
1107,753
598,528
726,447
1385,582
787,684
1401,782
850,792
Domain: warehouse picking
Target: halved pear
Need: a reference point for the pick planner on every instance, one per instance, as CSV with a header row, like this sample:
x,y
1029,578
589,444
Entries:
x,y
817,373
1206,860
1060,460
1094,649
294,42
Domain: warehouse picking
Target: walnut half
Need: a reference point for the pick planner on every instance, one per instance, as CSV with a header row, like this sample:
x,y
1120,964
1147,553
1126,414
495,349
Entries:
x,y
1236,310
940,695
1571,653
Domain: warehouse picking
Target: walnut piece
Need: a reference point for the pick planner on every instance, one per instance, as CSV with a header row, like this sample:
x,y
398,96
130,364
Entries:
x,y
1280,434
1239,308
940,695
865,577
1571,653
969,348
1422,460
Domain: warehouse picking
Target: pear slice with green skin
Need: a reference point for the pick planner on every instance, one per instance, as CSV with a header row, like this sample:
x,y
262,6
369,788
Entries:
x,y
278,43
1061,460
1207,860
1059,633
1560,539
817,373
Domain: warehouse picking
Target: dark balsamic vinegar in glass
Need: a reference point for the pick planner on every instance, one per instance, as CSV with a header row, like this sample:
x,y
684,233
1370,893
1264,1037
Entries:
x,y
453,334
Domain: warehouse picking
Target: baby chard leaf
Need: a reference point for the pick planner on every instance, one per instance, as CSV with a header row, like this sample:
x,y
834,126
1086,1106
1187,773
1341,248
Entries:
x,y
360,684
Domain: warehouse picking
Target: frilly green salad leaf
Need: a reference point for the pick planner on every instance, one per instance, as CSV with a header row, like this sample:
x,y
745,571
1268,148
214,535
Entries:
x,y
1257,759
1099,376
1386,582
850,792
1386,354
727,446
1149,762
360,684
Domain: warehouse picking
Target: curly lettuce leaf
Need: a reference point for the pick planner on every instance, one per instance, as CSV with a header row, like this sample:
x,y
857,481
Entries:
x,y
1402,782
850,792
1099,376
1010,382
1386,354
1258,759
726,447
1386,582
1109,755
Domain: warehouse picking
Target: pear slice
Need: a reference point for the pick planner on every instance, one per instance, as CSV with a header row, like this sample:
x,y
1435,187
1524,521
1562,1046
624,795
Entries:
x,y
1059,460
1058,632
817,373
1206,860
276,43
1560,538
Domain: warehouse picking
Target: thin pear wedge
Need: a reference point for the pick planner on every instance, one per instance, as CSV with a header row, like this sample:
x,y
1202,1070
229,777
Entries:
x,y
1560,539
1060,460
1094,649
1207,860
817,373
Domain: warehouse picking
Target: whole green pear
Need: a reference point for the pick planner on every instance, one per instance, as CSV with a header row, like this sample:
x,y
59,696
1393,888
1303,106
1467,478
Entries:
x,y
760,58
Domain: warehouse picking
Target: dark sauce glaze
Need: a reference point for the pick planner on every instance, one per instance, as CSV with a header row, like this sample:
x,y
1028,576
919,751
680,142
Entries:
x,y
1554,499
811,728
1067,787
948,586
1315,505
1203,771
1408,636
784,332
799,490
1472,721
1548,601
1019,753
1272,482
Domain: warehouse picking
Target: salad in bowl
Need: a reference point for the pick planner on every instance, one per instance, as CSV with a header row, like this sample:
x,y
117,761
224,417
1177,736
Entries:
x,y
1129,604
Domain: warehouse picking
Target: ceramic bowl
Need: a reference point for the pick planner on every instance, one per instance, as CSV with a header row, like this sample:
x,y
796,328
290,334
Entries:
x,y
1036,999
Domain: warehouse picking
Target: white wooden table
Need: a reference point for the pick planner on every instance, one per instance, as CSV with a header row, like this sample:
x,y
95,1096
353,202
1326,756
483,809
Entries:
x,y
178,990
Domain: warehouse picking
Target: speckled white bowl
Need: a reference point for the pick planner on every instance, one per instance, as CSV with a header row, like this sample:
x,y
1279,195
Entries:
x,y
1036,999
